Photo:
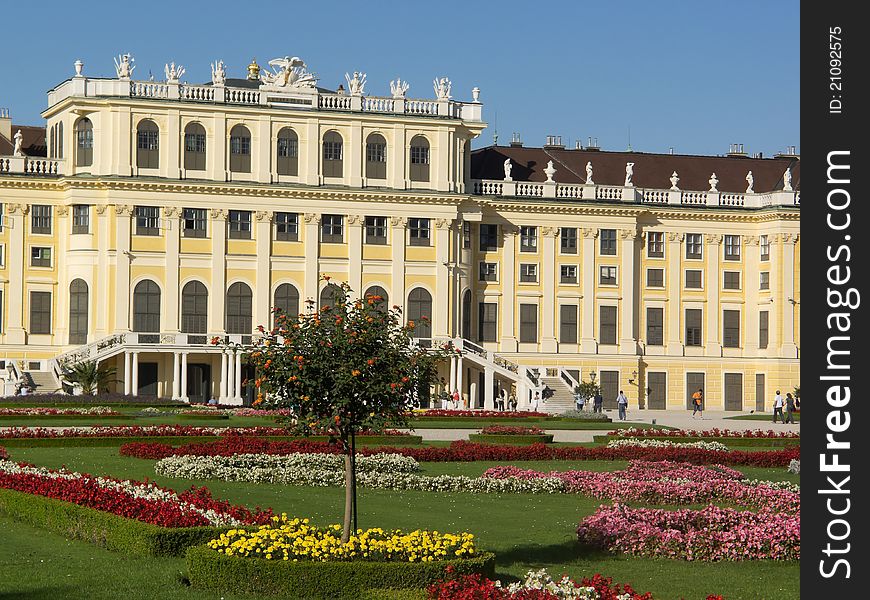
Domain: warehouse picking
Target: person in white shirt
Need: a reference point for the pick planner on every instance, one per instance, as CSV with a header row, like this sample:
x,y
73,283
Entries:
x,y
778,403
621,404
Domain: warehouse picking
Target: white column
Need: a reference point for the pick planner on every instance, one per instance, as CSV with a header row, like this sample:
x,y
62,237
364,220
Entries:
x,y
588,344
134,390
472,395
231,374
237,379
789,348
443,289
674,282
171,307
488,398
184,377
123,293
397,239
312,250
128,381
628,337
262,296
459,369
217,295
354,254
452,384
713,344
508,277
176,376
548,278
15,255
223,381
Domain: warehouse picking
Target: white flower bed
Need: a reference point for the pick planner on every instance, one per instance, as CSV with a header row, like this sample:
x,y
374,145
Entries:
x,y
565,588
666,444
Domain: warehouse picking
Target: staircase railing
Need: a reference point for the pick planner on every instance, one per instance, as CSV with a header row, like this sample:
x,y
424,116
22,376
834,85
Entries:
x,y
568,379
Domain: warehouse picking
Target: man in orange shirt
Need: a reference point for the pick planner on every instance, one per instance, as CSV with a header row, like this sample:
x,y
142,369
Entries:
x,y
697,403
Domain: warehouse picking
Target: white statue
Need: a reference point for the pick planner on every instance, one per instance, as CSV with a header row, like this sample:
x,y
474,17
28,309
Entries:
x,y
550,171
629,171
507,169
288,72
589,173
356,84
786,178
674,181
124,66
218,73
442,88
398,88
18,139
713,181
173,73
750,180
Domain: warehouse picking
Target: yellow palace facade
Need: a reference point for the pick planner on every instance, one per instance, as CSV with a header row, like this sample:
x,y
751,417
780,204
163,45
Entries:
x,y
148,217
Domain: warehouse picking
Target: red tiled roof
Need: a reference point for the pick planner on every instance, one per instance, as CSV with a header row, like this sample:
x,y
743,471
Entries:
x,y
32,143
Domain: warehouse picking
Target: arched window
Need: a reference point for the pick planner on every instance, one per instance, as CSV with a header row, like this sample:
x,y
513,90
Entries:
x,y
377,290
287,299
329,294
419,306
59,140
376,157
240,149
288,152
419,158
146,307
333,155
52,142
466,315
147,145
194,308
240,309
78,312
194,147
84,142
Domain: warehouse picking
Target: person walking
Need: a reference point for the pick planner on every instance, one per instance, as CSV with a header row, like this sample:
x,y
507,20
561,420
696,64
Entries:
x,y
512,402
535,401
789,409
622,405
501,399
698,403
579,400
598,402
778,403
455,398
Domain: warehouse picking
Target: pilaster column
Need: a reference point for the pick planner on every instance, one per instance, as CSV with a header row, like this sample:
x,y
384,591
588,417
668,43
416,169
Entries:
x,y
309,167
262,297
176,375
134,389
628,337
171,307
444,291
128,374
588,343
223,382
674,281
15,257
354,159
508,276
452,384
312,252
184,396
713,345
548,279
459,369
354,254
397,240
101,285
123,293
218,292
750,282
61,318
788,299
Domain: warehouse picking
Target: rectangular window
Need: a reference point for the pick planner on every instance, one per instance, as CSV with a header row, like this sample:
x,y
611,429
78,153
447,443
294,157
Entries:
x,y
194,222
487,321
40,312
40,218
419,155
529,323
764,243
608,242
40,257
568,240
607,276
528,239
488,237
286,226
240,224
466,235
655,278
694,246
528,273
764,280
607,325
240,144
568,274
488,271
1,216
732,247
693,279
568,323
655,244
731,329
655,326
763,328
376,230
419,232
147,139
147,220
332,229
693,327
732,280
81,214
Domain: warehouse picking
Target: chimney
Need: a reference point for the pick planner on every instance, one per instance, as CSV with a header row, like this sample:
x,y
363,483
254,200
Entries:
x,y
578,145
554,141
736,150
593,144
671,150
516,140
5,124
790,152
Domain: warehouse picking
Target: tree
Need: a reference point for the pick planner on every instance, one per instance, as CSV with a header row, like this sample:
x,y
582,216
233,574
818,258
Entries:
x,y
587,389
342,369
93,377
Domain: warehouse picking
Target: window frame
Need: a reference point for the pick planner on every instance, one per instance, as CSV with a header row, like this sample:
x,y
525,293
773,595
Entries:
x,y
419,231
567,279
694,333
565,326
240,149
526,323
528,272
287,152
376,156
485,276
655,328
240,228
147,224
41,219
487,321
700,285
39,260
610,335
567,243
528,238
655,244
81,224
488,242
419,159
763,329
286,226
730,334
36,326
199,216
605,280
332,223
375,225
764,280
729,282
732,247
607,242
764,247
649,279
147,144
195,147
694,241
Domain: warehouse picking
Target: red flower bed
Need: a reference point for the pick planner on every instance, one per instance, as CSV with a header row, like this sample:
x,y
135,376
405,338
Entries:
x,y
3,454
462,451
484,414
693,433
157,431
511,430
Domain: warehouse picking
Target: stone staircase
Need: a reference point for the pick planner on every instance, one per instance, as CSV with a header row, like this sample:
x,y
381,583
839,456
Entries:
x,y
41,382
562,398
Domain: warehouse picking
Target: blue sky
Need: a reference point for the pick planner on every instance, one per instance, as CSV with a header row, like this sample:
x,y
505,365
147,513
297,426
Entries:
x,y
695,76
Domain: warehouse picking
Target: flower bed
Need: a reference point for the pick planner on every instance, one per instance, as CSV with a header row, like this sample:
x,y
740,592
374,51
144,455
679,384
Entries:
x,y
440,413
39,411
511,430
654,443
83,400
707,433
710,534
508,434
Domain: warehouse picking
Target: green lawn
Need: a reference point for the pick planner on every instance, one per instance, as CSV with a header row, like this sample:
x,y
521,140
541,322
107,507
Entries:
x,y
762,417
524,530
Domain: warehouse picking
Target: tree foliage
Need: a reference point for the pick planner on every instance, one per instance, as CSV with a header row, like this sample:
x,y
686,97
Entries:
x,y
587,389
93,377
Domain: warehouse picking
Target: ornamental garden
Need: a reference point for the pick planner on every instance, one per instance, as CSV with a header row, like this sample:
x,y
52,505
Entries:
x,y
324,491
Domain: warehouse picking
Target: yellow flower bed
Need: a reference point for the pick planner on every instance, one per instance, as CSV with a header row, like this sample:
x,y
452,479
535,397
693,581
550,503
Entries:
x,y
295,539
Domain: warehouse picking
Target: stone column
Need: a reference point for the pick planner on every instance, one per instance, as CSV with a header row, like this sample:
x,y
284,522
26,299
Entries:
x,y
588,343
171,307
354,254
508,276
443,287
101,285
548,279
397,239
262,296
787,297
16,254
217,295
223,383
128,372
488,380
459,369
123,292
231,374
237,379
176,375
184,377
134,389
452,384
628,329
312,251
713,344
750,284
62,228
674,281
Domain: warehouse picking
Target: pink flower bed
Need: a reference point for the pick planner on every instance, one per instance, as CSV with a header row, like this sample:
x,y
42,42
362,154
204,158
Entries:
x,y
710,534
256,412
716,432
39,411
485,414
511,430
122,431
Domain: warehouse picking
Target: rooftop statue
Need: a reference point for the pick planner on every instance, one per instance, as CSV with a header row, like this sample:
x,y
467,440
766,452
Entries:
x,y
674,181
713,181
173,73
218,73
629,171
589,173
507,169
18,140
751,181
399,87
124,66
442,88
288,72
356,84
786,181
550,170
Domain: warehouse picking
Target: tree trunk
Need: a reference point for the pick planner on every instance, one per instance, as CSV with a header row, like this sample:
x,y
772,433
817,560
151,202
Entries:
x,y
348,498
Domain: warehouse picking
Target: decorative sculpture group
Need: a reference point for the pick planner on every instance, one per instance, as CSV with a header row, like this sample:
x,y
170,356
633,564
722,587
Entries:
x,y
442,88
173,73
356,84
288,72
398,88
124,66
218,73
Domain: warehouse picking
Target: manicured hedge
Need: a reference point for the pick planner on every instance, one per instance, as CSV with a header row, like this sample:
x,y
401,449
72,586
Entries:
x,y
728,441
483,438
91,442
208,569
101,528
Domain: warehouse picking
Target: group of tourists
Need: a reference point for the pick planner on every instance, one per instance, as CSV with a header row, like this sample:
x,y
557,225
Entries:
x,y
597,402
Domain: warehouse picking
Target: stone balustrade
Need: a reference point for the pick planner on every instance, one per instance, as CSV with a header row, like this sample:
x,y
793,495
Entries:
x,y
31,165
